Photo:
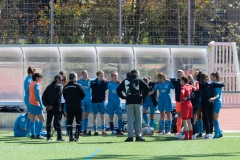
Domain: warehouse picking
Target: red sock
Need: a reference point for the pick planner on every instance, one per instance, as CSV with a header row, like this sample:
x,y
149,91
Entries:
x,y
179,124
186,135
190,134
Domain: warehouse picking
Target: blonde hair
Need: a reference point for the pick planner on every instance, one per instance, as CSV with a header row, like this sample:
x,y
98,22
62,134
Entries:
x,y
84,71
64,77
162,75
190,78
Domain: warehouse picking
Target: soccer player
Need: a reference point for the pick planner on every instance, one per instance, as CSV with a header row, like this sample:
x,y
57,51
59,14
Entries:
x,y
36,106
207,92
63,104
27,81
85,81
217,100
99,86
149,101
164,100
52,101
177,86
73,94
114,103
20,126
187,109
136,90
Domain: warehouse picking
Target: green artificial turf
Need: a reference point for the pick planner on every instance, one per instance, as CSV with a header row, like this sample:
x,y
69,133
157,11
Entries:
x,y
112,147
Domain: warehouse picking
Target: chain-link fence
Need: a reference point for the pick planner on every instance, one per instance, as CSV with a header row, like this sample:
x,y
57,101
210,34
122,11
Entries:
x,y
171,22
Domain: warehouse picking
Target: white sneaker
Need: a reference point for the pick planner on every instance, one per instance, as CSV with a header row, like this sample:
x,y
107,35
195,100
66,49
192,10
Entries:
x,y
168,133
162,133
194,137
179,136
207,136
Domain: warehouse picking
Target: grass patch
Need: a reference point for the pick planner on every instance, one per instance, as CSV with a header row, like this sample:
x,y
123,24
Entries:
x,y
112,147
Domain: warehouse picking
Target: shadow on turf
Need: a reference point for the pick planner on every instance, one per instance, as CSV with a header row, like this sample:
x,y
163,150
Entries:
x,y
165,157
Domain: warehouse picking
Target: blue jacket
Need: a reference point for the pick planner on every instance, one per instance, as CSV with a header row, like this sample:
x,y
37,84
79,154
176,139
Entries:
x,y
98,91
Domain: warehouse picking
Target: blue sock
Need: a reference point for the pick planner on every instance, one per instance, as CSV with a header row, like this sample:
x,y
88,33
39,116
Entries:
x,y
103,127
200,126
145,118
169,123
219,130
32,127
151,122
216,128
94,128
120,124
66,127
39,128
163,125
85,124
28,126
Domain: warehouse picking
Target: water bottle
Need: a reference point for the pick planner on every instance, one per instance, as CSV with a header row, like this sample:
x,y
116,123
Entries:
x,y
156,127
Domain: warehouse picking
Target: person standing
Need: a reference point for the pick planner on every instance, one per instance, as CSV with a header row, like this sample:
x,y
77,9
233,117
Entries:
x,y
52,101
36,106
136,90
73,94
27,81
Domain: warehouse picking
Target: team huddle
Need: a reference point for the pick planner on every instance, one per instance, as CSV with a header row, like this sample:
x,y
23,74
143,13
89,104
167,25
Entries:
x,y
198,99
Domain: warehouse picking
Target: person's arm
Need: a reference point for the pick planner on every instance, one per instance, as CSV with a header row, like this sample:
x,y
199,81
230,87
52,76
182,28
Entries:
x,y
154,89
119,90
218,85
45,97
182,99
145,88
38,95
64,93
174,81
58,94
196,87
216,95
81,92
172,85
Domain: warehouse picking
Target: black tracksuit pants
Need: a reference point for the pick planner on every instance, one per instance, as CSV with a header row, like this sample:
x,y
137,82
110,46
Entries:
x,y
207,112
78,118
56,122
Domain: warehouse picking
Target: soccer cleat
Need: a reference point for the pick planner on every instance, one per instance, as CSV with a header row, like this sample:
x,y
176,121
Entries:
x,y
71,140
39,137
104,133
113,133
129,139
194,137
28,136
95,133
80,133
61,139
140,139
49,139
75,139
219,136
85,133
185,138
179,136
168,133
207,136
162,133
33,137
120,133
199,135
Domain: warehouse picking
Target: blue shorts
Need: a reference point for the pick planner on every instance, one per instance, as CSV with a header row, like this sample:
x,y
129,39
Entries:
x,y
98,107
111,107
64,108
26,101
164,104
36,110
148,103
217,107
86,106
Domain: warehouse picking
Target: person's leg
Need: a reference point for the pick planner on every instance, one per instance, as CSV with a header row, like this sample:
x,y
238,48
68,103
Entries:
x,y
179,119
184,112
94,110
169,117
200,121
110,111
152,112
206,119
144,115
138,119
210,115
78,117
102,109
32,125
57,123
162,114
130,119
190,129
40,124
70,117
48,123
119,113
88,109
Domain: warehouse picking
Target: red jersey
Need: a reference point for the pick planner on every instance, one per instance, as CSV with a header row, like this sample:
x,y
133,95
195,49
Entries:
x,y
186,91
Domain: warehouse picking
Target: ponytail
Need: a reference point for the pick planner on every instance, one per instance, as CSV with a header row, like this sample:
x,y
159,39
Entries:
x,y
217,75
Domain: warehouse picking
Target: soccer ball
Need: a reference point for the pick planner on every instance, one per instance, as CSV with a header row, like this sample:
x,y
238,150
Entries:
x,y
150,131
125,128
144,130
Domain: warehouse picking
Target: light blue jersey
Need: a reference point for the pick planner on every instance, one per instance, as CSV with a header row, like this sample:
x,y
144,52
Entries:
x,y
164,88
218,91
86,84
112,93
27,81
164,99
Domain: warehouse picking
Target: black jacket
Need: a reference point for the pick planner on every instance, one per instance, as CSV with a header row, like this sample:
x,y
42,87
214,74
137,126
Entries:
x,y
73,93
135,88
98,91
52,96
153,96
177,86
